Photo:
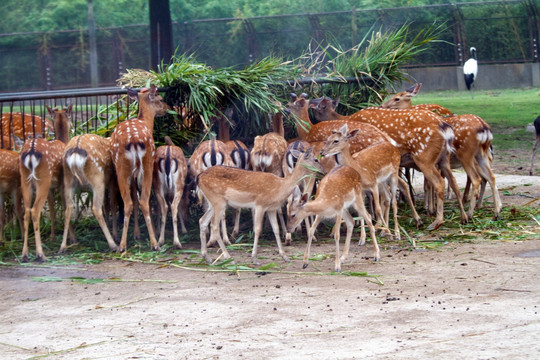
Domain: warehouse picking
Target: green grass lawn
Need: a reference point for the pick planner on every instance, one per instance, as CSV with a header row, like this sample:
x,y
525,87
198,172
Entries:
x,y
507,111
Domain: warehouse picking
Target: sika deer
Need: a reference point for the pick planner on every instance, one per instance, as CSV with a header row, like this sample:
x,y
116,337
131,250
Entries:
x,y
22,126
472,145
378,166
209,153
337,191
170,170
267,155
132,151
41,171
420,134
10,185
319,132
87,163
268,152
263,192
402,100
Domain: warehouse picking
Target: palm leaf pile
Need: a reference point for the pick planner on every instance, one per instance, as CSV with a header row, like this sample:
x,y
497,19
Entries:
x,y
374,65
364,73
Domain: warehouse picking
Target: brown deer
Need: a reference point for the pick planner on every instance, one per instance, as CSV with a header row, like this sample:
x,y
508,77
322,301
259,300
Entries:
x,y
132,151
41,172
340,189
10,186
312,133
87,164
472,143
402,100
262,192
267,155
209,153
378,166
238,153
419,134
170,171
268,152
22,126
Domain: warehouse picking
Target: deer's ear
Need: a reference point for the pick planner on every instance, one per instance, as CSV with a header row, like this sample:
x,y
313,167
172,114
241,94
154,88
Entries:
x,y
153,91
132,93
335,103
296,194
50,111
343,129
414,90
17,142
352,133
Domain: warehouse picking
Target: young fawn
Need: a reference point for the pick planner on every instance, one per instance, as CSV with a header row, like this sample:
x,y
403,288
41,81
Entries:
x,y
41,172
262,192
419,134
378,166
472,143
87,163
132,151
340,189
10,186
170,171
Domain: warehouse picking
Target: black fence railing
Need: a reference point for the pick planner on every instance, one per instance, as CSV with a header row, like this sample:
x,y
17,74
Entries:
x,y
97,110
502,31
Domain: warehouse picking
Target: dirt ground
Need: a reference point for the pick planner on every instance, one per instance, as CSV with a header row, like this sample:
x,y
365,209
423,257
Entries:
x,y
474,300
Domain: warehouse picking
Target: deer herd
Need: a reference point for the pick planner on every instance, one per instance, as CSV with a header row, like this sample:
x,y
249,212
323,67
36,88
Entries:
x,y
340,163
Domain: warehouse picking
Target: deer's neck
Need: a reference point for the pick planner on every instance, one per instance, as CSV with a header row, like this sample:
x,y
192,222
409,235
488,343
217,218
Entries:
x,y
277,124
290,181
146,114
61,129
224,130
303,123
345,157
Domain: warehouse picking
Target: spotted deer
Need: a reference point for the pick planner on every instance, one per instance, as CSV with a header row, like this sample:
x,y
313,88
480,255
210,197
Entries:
x,y
306,186
236,150
22,126
472,143
260,191
340,189
133,151
209,153
41,173
313,133
88,165
418,134
267,155
402,100
170,171
10,186
378,166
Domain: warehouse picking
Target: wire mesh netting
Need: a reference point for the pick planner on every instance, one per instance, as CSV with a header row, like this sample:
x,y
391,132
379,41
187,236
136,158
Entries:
x,y
504,31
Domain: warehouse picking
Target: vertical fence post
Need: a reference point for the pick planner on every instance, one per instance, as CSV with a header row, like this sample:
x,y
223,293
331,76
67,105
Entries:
x,y
92,45
251,40
161,43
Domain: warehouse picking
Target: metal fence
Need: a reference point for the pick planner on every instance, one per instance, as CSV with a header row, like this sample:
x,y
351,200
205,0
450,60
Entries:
x,y
98,110
503,31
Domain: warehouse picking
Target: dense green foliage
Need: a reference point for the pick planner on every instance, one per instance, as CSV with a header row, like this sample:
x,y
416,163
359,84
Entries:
x,y
50,15
51,37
